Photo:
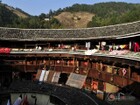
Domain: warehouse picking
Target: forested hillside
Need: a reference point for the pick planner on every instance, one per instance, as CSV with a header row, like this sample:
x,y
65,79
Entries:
x,y
107,13
96,15
11,17
6,16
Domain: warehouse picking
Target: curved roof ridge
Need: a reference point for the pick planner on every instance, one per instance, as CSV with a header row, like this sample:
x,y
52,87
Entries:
x,y
113,31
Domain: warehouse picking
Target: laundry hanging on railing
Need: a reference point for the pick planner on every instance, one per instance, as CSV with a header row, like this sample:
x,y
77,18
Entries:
x,y
5,50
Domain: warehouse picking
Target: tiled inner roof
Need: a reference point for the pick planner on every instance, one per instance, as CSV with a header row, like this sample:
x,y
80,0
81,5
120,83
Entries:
x,y
112,31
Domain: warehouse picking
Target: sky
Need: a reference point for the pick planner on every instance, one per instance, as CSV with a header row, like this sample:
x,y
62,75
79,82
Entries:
x,y
36,7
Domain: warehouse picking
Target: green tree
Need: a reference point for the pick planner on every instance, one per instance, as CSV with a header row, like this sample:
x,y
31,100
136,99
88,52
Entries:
x,y
42,16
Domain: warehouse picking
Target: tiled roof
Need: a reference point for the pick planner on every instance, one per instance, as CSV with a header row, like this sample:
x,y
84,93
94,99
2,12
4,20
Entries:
x,y
112,31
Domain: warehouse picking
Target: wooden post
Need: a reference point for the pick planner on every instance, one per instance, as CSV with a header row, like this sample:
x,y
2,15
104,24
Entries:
x,y
25,66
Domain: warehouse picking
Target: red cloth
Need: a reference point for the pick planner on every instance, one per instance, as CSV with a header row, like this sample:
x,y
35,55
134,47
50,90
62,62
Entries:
x,y
5,50
94,85
85,63
136,47
25,101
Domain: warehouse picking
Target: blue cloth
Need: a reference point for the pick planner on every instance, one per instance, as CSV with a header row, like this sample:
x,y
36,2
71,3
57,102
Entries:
x,y
8,102
18,101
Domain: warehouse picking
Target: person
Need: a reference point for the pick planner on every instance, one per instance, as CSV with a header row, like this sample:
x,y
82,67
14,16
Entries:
x,y
44,66
18,100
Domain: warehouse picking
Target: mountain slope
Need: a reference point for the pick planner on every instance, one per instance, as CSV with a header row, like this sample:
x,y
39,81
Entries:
x,y
75,19
102,9
108,13
6,16
18,12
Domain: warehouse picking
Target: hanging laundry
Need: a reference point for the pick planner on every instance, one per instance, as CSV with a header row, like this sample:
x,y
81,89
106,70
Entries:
x,y
18,100
25,101
5,50
50,76
42,75
46,76
85,63
8,102
94,85
123,46
56,77
109,69
38,74
58,61
124,71
72,62
136,46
